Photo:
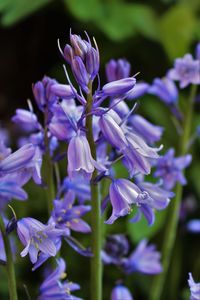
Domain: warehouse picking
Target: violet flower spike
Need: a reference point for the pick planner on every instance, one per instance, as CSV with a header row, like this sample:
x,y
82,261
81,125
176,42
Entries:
x,y
144,259
194,288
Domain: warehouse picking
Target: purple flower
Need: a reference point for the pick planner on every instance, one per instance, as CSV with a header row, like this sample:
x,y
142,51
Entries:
x,y
67,216
138,91
62,91
197,52
54,288
149,132
79,186
37,238
112,130
117,69
118,87
186,70
170,169
144,259
194,288
115,248
194,226
165,89
147,197
120,292
80,160
138,155
120,107
27,120
80,73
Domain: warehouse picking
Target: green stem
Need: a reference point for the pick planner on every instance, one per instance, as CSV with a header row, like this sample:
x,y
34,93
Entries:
x,y
9,263
96,265
48,170
173,213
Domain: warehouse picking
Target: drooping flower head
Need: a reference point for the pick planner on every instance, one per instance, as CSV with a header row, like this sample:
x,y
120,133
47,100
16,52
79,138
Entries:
x,y
120,292
144,259
53,287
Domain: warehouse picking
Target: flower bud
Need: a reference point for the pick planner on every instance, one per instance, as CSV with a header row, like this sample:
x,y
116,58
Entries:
x,y
119,87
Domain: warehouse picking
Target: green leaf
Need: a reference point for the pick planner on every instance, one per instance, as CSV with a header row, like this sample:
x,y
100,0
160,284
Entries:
x,y
177,30
15,10
84,10
141,230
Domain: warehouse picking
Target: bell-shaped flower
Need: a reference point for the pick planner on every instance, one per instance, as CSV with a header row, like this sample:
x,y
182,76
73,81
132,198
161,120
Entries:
x,y
194,288
170,169
118,87
120,292
165,89
186,70
53,286
144,259
37,238
27,120
80,160
139,90
138,155
148,131
62,91
117,69
67,215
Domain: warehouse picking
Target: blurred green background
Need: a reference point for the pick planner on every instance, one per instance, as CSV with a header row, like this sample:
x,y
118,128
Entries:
x,y
150,34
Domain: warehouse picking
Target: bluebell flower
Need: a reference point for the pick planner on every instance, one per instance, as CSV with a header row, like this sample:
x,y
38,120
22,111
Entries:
x,y
148,131
3,258
138,155
120,107
197,51
117,69
27,120
62,91
80,160
147,197
194,288
37,238
186,70
194,226
120,292
118,87
67,216
54,288
79,185
144,259
165,89
116,247
170,169
139,90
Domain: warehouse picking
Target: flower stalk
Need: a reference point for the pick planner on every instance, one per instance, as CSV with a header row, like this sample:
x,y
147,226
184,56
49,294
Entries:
x,y
9,263
173,213
96,264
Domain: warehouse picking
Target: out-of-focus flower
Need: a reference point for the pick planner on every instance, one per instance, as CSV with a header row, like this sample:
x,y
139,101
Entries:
x,y
165,89
194,288
53,287
120,292
37,238
116,247
194,226
27,120
117,69
139,90
144,259
197,51
148,131
67,215
186,70
170,169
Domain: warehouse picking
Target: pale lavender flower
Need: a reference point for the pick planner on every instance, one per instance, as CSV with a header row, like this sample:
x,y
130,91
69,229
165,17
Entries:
x,y
118,87
186,70
120,107
165,89
170,169
80,160
120,292
139,90
54,288
62,91
124,194
67,216
194,288
197,52
37,238
148,131
79,185
144,259
27,120
117,69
